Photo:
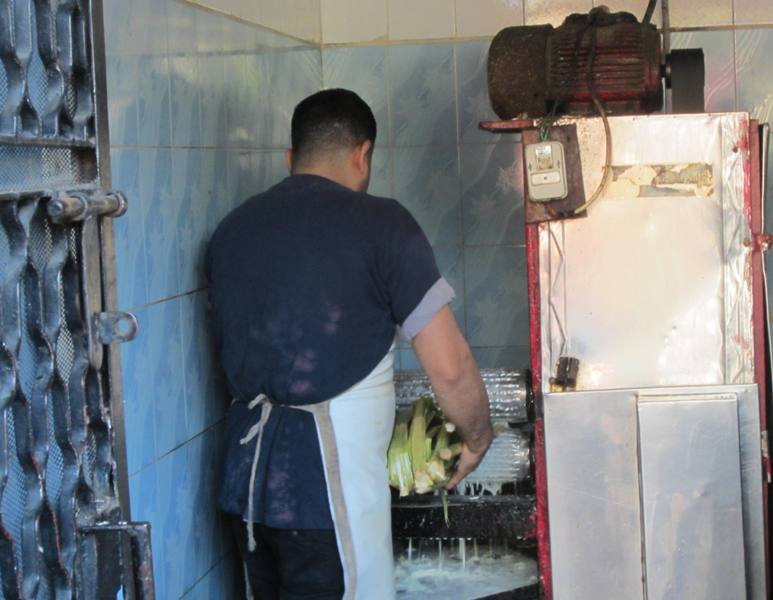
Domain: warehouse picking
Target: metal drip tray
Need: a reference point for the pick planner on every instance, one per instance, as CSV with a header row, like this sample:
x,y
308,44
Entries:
x,y
499,517
530,592
464,569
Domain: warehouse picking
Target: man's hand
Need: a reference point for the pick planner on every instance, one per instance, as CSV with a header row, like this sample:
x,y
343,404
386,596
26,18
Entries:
x,y
468,462
459,390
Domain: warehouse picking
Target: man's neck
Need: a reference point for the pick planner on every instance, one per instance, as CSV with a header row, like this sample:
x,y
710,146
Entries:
x,y
330,172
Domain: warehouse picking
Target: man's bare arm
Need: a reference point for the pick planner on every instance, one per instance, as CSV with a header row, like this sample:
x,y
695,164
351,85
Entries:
x,y
459,390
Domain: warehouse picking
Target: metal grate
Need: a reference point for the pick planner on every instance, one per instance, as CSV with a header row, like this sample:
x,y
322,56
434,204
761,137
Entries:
x,y
13,493
3,86
56,460
46,80
57,466
30,168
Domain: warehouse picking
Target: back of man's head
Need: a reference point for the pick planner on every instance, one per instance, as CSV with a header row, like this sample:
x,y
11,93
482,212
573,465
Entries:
x,y
328,122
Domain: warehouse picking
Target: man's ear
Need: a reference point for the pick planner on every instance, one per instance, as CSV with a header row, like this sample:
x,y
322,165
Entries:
x,y
362,156
289,160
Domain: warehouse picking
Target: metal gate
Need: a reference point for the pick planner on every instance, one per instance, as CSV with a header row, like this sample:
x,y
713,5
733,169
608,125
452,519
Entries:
x,y
63,475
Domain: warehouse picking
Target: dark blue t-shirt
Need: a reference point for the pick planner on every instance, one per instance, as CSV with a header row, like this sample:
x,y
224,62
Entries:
x,y
308,282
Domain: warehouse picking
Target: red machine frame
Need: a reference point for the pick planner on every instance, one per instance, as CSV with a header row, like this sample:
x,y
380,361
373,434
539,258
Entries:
x,y
753,197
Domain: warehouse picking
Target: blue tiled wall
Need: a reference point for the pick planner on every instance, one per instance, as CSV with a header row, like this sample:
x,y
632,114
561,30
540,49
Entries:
x,y
460,183
463,184
199,119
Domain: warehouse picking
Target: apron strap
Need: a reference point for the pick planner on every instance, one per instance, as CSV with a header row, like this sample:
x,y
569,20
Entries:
x,y
321,413
335,487
256,431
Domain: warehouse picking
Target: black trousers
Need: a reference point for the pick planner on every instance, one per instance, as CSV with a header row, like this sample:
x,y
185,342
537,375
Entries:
x,y
290,564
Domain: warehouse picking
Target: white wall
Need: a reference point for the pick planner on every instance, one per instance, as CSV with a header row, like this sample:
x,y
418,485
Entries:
x,y
363,21
298,18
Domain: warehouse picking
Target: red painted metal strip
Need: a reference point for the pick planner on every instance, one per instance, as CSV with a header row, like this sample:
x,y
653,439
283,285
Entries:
x,y
753,209
512,126
535,346
535,335
543,537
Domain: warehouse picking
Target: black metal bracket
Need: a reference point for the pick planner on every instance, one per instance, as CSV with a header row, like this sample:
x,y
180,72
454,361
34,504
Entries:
x,y
115,327
142,586
566,374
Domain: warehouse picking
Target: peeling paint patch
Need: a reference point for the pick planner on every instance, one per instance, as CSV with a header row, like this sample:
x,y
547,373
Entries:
x,y
654,181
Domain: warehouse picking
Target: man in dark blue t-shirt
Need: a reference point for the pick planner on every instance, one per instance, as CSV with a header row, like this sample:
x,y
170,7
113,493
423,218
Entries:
x,y
310,281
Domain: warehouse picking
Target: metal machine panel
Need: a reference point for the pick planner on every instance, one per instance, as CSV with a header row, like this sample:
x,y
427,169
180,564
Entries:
x,y
691,497
593,483
592,462
751,478
661,259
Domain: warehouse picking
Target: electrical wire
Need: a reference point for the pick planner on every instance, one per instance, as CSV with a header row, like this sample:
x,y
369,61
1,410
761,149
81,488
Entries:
x,y
607,130
546,123
650,11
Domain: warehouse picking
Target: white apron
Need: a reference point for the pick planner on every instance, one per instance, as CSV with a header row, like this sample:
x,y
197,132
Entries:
x,y
354,430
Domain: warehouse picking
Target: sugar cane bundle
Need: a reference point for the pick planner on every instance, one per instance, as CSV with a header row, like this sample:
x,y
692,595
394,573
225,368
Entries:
x,y
423,449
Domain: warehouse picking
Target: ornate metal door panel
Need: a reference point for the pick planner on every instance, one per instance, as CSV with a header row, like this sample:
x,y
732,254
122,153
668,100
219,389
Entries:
x,y
63,482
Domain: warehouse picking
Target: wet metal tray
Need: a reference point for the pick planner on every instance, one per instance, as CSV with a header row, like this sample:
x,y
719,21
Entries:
x,y
502,517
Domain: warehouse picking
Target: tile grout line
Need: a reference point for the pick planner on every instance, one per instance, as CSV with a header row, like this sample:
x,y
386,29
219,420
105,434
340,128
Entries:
x,y
244,21
735,63
197,64
277,149
168,453
462,236
388,21
176,163
167,299
321,28
184,364
209,571
489,38
390,146
136,117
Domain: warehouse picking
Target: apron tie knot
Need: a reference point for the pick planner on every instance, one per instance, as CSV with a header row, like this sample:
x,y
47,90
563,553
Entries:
x,y
256,431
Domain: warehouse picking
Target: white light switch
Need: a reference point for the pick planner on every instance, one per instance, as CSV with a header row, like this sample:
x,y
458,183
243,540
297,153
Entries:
x,y
547,171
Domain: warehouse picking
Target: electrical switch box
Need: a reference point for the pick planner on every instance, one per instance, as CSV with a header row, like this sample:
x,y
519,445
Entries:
x,y
546,172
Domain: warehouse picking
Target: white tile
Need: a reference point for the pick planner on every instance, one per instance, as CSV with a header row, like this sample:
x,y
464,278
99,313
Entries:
x,y
635,7
553,12
298,18
487,17
685,13
346,21
181,27
210,32
720,65
421,19
753,12
301,18
146,28
309,20
421,94
238,8
362,70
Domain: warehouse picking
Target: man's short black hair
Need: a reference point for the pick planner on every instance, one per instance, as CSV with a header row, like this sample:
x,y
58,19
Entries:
x,y
330,120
